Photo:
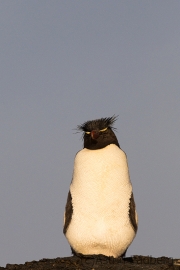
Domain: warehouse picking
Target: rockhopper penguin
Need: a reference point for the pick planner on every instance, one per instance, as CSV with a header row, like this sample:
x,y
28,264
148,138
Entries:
x,y
100,215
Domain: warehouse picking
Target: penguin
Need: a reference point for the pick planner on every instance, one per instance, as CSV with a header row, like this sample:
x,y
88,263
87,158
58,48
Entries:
x,y
100,214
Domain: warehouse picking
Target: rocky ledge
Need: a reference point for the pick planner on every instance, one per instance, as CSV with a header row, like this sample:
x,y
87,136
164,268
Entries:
x,y
99,262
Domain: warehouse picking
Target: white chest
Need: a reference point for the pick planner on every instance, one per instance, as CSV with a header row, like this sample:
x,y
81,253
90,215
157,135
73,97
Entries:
x,y
101,191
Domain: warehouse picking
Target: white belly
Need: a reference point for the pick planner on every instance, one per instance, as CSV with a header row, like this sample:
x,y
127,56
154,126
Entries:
x,y
101,191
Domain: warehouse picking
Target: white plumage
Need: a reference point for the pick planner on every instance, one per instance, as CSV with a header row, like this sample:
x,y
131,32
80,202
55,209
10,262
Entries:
x,y
101,192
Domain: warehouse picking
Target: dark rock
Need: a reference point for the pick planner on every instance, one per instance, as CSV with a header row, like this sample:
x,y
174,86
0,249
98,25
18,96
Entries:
x,y
99,262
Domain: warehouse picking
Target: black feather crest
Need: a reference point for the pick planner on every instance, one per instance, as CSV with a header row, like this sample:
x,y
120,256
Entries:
x,y
98,124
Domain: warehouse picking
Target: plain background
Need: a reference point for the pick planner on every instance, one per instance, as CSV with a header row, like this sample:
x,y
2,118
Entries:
x,y
66,62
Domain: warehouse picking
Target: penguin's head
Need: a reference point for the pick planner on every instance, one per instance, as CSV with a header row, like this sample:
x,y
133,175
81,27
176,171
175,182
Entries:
x,y
99,133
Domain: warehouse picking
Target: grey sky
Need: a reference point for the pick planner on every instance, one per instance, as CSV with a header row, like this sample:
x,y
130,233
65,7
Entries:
x,y
66,62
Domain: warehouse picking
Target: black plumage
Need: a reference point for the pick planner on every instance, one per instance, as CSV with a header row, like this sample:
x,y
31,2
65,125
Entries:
x,y
99,133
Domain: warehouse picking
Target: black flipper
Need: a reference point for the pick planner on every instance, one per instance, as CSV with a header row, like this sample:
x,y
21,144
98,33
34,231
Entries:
x,y
132,213
68,212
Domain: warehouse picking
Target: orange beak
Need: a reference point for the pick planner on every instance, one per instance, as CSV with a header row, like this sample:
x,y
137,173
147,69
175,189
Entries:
x,y
94,134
